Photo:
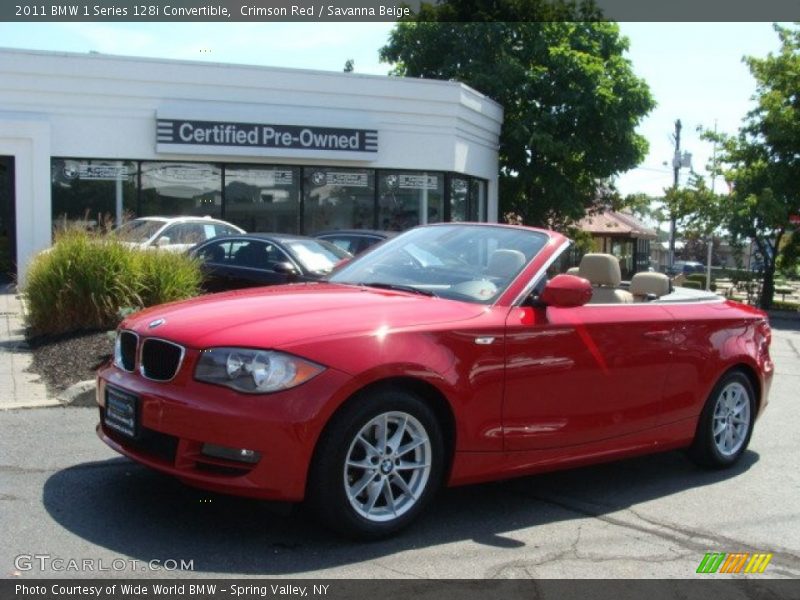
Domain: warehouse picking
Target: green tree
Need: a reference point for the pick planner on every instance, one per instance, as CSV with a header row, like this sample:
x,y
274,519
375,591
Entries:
x,y
698,213
762,162
571,100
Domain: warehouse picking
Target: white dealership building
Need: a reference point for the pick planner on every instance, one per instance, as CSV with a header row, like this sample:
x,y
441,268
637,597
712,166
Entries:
x,y
90,137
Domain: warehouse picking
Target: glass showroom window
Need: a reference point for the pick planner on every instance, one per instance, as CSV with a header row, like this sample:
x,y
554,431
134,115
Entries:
x,y
459,199
88,193
409,198
173,188
338,198
477,200
262,198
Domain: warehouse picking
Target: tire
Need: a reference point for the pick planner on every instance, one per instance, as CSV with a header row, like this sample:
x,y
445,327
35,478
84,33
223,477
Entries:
x,y
726,423
366,484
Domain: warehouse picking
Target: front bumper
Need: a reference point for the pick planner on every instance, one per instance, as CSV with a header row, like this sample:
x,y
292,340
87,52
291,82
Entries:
x,y
177,418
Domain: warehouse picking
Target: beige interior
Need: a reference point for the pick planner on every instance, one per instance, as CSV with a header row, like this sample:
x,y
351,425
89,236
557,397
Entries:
x,y
602,271
649,284
505,263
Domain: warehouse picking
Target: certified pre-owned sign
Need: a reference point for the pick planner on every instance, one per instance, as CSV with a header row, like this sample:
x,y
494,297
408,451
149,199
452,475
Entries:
x,y
188,133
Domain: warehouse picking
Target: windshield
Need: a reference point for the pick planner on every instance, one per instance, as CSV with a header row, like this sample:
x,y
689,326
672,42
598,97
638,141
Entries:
x,y
137,231
474,263
316,256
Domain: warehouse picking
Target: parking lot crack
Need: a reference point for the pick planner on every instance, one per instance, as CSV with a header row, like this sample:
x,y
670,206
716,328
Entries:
x,y
398,571
14,469
784,561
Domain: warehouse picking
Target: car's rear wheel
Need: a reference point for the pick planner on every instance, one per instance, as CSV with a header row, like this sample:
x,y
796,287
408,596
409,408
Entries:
x,y
377,465
726,422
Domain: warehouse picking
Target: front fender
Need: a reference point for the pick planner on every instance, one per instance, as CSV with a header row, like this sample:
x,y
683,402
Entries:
x,y
468,376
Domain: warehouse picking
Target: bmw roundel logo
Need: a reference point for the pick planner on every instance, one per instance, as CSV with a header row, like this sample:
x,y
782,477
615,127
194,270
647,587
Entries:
x,y
156,323
318,177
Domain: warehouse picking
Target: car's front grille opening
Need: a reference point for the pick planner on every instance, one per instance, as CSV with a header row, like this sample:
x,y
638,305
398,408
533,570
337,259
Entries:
x,y
155,444
127,343
160,359
217,469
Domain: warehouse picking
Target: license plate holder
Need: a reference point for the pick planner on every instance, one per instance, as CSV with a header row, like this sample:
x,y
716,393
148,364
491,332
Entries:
x,y
122,412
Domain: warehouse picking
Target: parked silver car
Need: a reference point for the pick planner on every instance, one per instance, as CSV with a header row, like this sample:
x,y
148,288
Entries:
x,y
172,233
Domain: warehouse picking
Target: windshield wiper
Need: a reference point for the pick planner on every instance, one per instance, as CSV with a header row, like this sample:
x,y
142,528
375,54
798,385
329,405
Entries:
x,y
399,287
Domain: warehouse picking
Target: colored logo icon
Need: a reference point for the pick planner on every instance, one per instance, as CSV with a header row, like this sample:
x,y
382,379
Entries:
x,y
738,562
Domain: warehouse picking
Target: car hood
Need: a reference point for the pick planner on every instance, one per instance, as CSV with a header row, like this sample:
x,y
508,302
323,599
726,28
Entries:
x,y
280,315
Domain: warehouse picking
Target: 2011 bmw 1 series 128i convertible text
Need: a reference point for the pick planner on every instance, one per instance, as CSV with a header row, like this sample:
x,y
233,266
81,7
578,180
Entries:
x,y
451,354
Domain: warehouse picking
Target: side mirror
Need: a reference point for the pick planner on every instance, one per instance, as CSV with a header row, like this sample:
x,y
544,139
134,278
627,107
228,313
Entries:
x,y
163,241
565,291
284,268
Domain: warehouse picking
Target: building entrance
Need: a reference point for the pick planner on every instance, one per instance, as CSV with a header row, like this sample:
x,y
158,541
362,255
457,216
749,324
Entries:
x,y
8,242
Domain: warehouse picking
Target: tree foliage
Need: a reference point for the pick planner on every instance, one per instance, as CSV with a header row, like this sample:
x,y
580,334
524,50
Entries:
x,y
571,100
762,162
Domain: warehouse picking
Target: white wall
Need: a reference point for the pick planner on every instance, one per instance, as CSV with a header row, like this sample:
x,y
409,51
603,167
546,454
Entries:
x,y
99,106
26,137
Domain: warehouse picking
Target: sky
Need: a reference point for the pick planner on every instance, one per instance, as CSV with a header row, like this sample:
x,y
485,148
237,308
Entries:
x,y
694,70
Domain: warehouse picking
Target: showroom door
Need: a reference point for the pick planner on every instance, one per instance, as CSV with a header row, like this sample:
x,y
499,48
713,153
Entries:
x,y
8,244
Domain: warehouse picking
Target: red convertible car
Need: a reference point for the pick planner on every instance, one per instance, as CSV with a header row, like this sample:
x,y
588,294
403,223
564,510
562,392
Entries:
x,y
451,354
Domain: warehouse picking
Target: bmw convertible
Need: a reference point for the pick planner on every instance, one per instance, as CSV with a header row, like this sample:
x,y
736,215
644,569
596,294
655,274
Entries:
x,y
452,354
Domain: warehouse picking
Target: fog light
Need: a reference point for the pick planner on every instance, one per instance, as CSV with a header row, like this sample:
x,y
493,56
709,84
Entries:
x,y
237,454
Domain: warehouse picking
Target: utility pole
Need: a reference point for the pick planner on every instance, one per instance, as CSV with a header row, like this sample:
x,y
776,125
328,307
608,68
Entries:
x,y
676,167
713,181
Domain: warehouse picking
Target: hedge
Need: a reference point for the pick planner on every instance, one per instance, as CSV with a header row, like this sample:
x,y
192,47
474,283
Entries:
x,y
84,281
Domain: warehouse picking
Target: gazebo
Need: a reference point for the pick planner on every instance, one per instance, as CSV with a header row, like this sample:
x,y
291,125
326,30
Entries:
x,y
622,235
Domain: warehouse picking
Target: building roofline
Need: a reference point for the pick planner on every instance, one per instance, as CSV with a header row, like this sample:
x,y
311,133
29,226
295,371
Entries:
x,y
97,56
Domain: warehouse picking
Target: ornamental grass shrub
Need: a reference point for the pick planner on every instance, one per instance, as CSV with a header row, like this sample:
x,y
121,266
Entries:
x,y
700,279
84,281
163,276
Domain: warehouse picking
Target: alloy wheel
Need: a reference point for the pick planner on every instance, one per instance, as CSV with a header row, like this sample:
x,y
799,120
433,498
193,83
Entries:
x,y
387,466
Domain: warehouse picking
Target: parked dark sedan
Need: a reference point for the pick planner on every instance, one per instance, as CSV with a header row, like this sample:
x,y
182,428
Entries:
x,y
254,259
355,241
685,267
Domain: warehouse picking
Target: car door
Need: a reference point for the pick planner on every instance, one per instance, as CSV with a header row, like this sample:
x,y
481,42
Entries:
x,y
182,236
254,264
216,258
584,374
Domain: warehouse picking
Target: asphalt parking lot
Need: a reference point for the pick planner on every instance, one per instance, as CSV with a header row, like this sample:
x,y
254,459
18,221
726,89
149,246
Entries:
x,y
64,495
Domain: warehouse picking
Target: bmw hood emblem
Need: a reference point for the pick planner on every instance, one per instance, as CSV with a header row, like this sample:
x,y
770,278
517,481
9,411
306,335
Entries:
x,y
156,323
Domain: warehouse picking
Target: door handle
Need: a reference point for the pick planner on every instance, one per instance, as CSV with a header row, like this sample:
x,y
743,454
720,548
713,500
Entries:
x,y
658,334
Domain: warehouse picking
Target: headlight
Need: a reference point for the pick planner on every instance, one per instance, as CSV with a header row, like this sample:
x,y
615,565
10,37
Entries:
x,y
254,371
118,353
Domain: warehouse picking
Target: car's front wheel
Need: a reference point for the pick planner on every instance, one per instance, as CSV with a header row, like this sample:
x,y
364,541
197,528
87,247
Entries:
x,y
377,465
726,422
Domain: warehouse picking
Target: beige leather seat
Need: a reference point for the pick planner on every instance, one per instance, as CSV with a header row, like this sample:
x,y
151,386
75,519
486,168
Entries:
x,y
602,271
505,263
645,286
574,271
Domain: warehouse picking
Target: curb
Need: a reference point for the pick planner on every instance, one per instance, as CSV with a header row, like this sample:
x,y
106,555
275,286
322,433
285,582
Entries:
x,y
783,315
79,394
32,404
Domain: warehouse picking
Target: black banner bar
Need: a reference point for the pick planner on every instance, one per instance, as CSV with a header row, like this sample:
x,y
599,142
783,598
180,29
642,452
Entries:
x,y
705,588
370,10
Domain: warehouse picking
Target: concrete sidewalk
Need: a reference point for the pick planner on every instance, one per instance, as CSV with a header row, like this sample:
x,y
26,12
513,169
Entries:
x,y
18,387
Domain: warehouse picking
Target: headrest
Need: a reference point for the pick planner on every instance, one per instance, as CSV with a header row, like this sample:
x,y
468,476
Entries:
x,y
505,262
646,283
574,271
600,269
